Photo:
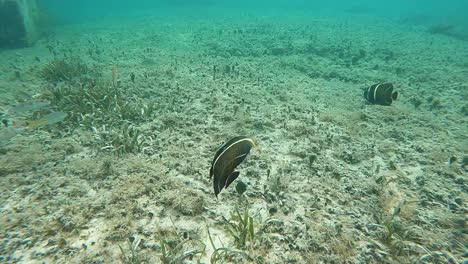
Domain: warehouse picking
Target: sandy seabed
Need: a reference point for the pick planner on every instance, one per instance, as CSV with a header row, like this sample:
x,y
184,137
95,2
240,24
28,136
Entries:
x,y
334,179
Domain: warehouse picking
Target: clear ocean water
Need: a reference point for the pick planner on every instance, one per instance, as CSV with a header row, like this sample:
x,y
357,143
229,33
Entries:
x,y
233,131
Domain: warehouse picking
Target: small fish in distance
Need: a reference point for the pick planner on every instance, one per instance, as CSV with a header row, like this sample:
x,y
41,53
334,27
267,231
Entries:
x,y
9,132
49,119
228,156
32,105
381,94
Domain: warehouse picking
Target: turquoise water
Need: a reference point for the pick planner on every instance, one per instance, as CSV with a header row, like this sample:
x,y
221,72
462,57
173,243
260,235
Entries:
x,y
341,129
452,10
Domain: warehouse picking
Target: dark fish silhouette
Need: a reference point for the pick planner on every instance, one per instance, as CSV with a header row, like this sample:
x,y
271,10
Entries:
x,y
228,156
381,94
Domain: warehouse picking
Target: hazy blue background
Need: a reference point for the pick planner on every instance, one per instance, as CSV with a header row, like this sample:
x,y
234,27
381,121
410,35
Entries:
x,y
449,11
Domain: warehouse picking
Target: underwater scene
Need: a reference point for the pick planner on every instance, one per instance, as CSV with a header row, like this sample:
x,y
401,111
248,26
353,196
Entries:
x,y
202,131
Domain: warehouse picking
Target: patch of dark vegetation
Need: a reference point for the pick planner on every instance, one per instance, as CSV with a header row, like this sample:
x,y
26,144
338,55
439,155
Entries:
x,y
98,102
111,112
60,70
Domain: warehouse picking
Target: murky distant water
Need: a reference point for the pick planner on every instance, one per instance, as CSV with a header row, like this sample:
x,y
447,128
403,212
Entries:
x,y
452,10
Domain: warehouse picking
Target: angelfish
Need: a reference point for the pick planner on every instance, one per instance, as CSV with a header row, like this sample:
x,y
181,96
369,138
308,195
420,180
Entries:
x,y
228,156
381,93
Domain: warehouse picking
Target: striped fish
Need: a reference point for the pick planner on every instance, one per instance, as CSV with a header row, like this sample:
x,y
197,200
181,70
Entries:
x,y
381,94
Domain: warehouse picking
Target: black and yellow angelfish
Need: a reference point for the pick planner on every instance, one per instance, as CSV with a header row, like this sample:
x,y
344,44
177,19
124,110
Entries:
x,y
228,156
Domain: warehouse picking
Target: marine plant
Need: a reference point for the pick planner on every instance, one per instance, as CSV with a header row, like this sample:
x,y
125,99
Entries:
x,y
241,228
220,253
438,257
94,98
175,244
131,256
122,140
59,70
106,167
400,239
175,254
110,112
